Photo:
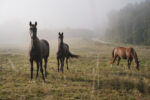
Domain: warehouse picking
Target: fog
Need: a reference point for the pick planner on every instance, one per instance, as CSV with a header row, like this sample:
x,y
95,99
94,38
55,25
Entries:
x,y
74,17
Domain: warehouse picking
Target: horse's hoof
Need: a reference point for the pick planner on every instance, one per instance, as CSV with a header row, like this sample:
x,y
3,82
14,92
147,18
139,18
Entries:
x,y
111,66
44,81
45,75
31,81
64,77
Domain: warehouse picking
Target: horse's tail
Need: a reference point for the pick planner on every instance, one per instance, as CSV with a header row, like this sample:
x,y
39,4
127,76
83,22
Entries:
x,y
73,55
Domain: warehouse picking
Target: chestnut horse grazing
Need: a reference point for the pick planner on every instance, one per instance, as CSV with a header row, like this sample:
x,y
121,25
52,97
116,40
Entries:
x,y
125,53
39,50
63,52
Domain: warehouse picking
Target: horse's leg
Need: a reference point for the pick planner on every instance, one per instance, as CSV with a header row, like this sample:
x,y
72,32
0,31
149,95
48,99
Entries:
x,y
37,73
41,69
118,62
58,63
67,63
128,60
31,62
45,66
62,64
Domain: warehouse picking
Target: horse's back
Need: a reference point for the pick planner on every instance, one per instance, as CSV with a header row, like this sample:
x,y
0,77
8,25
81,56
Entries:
x,y
44,48
123,52
120,51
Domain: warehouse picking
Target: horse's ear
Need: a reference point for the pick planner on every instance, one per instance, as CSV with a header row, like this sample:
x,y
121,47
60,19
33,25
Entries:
x,y
30,23
59,33
62,33
36,23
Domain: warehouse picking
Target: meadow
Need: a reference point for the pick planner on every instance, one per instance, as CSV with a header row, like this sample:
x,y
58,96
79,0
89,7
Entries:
x,y
89,78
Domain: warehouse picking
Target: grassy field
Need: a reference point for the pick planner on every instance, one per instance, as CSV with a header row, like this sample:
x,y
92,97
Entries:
x,y
89,78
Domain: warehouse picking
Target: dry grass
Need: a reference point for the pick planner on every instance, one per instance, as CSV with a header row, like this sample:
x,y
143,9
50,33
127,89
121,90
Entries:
x,y
89,78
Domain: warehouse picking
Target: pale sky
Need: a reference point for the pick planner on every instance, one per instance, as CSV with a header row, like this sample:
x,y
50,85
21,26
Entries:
x,y
53,14
59,13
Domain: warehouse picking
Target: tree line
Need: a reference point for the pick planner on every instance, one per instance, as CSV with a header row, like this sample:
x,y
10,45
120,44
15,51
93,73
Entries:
x,y
130,24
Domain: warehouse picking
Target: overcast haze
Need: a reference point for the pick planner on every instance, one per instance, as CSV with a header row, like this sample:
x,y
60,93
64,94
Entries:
x,y
53,14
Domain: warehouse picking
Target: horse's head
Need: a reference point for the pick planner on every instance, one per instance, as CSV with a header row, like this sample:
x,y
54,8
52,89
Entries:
x,y
137,66
33,30
60,36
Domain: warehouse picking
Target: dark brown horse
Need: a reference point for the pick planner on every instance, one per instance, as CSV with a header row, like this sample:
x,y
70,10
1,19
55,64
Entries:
x,y
39,50
63,52
125,53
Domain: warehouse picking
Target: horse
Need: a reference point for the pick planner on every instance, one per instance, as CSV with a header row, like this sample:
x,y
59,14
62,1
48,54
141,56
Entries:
x,y
63,52
39,50
125,53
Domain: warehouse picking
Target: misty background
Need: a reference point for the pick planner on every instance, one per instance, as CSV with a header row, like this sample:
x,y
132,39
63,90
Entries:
x,y
76,18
